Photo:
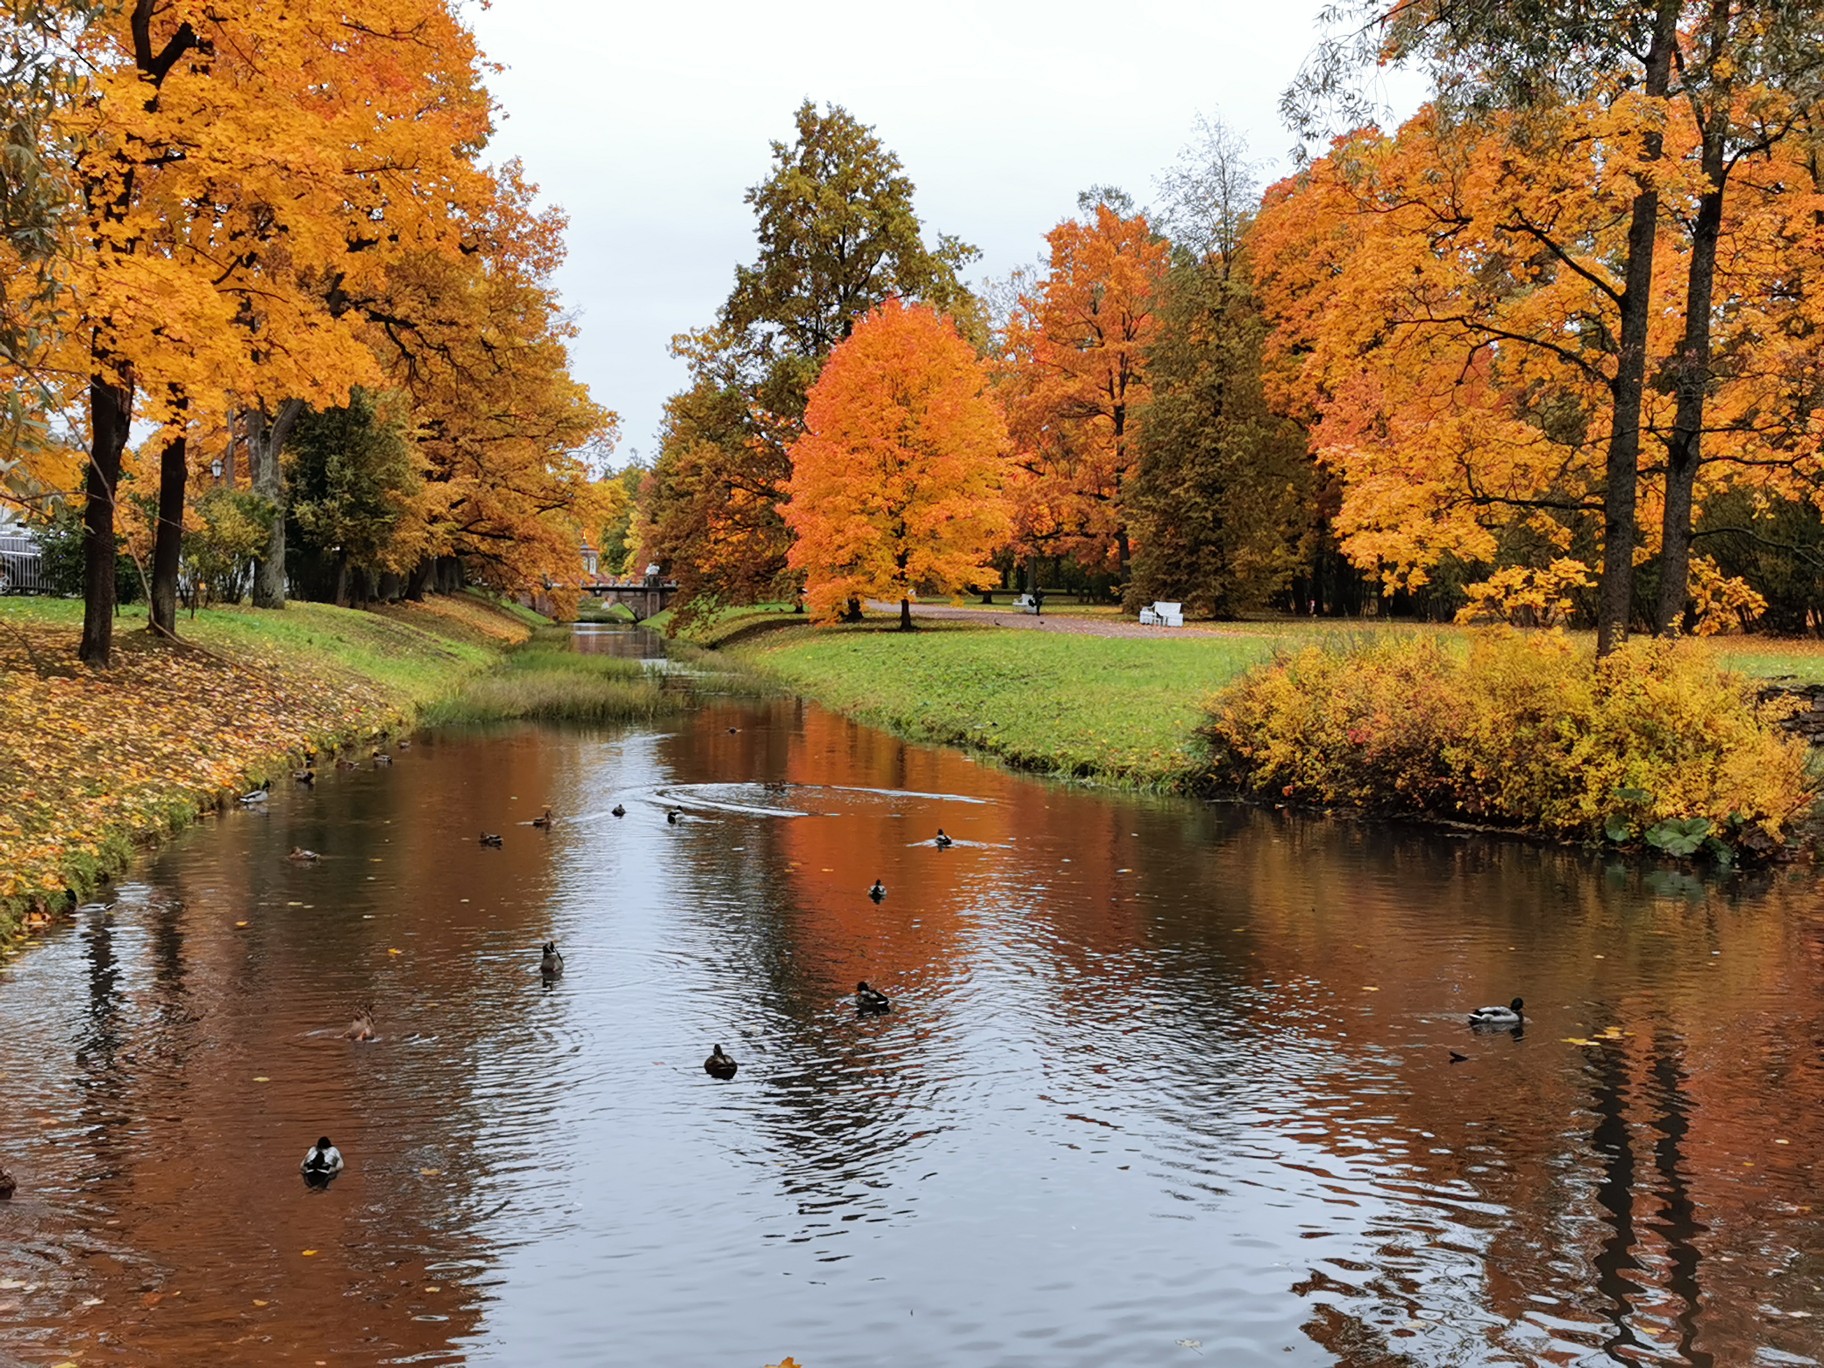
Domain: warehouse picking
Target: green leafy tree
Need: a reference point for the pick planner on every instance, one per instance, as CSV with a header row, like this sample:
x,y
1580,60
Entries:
x,y
356,480
1222,494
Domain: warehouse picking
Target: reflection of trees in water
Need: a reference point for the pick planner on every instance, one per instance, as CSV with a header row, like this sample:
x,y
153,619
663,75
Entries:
x,y
99,1075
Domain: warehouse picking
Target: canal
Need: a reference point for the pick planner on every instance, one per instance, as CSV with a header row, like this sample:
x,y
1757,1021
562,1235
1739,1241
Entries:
x,y
1163,1082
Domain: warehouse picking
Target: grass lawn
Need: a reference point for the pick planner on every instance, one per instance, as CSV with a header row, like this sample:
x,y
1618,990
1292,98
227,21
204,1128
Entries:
x,y
1115,707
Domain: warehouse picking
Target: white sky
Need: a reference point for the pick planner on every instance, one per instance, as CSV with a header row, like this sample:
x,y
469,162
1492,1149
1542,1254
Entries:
x,y
647,120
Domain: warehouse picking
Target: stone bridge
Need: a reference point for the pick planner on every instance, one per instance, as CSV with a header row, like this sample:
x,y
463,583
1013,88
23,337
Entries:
x,y
645,597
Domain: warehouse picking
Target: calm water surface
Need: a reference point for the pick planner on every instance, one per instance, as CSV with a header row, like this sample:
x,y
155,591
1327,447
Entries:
x,y
1163,1083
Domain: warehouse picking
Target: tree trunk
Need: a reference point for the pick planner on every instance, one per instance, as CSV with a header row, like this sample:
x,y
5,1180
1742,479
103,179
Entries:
x,y
110,415
341,591
228,455
905,615
1621,474
266,436
1684,452
420,581
168,537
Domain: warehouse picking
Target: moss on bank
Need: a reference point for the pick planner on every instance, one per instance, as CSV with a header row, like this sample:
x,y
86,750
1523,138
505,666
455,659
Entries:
x,y
100,761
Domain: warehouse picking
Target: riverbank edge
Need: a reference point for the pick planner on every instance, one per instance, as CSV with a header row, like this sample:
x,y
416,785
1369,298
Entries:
x,y
758,653
87,864
751,646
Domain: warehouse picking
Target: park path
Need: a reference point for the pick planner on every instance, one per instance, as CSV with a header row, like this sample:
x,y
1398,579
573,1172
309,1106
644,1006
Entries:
x,y
1062,622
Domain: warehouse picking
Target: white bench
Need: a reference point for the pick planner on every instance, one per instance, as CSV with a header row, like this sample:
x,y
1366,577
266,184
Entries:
x,y
1026,603
1163,615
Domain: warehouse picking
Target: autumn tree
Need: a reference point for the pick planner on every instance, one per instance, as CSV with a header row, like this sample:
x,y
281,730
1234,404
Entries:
x,y
1493,66
838,235
896,485
1075,380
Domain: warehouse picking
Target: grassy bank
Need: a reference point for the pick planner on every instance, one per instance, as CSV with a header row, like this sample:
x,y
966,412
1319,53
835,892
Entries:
x,y
98,761
1116,708
1120,709
549,681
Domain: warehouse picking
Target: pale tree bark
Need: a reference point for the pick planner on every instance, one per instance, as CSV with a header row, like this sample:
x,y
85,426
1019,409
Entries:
x,y
266,434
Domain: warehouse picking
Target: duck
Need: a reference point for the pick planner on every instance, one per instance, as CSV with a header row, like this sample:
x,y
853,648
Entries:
x,y
362,1028
871,999
323,1160
489,838
8,1185
403,744
546,822
943,842
305,776
303,856
254,797
1502,1017
673,816
877,892
550,963
617,811
1456,1058
719,1065
381,757
344,763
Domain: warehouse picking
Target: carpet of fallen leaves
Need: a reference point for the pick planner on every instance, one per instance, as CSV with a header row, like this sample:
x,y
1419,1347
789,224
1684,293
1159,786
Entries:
x,y
92,758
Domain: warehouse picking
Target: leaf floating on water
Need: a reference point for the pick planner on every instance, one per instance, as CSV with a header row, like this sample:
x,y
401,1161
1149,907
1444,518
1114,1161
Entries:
x,y
261,1078
1191,1344
310,1253
395,951
240,926
431,1173
1370,988
91,1301
1577,1040
258,1302
433,1289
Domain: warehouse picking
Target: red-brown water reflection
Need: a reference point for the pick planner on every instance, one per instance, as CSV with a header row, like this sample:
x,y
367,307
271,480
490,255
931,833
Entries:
x,y
1156,1073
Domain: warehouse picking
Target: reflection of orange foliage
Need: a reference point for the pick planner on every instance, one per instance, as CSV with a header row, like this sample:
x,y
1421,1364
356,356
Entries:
x,y
921,932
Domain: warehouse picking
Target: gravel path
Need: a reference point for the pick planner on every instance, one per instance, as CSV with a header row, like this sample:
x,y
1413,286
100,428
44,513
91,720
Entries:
x,y
1063,622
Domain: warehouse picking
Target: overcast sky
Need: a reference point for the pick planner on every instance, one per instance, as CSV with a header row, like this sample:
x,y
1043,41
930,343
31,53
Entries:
x,y
647,121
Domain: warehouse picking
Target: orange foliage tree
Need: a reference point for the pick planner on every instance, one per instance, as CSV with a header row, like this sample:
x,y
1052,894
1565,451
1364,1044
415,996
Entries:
x,y
277,203
897,481
1075,376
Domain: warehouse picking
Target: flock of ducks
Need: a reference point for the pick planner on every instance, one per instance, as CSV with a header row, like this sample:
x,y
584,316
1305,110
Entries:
x,y
324,1161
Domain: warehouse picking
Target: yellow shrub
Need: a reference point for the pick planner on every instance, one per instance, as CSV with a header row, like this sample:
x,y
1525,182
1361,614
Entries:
x,y
1527,730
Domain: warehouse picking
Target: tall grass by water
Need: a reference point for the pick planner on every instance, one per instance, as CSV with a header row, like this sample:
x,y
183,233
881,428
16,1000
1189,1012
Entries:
x,y
548,681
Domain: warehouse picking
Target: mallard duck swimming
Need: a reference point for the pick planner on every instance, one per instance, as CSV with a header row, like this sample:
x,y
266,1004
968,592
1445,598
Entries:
x,y
489,838
719,1065
344,763
942,842
323,1159
546,822
381,757
877,892
617,811
673,816
404,744
303,856
362,1028
871,999
551,964
1503,1017
305,776
253,797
